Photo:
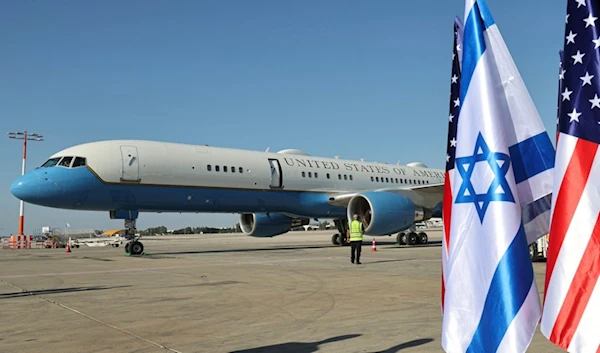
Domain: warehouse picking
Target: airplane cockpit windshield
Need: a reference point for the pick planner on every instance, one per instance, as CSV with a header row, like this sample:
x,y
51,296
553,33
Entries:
x,y
67,162
50,163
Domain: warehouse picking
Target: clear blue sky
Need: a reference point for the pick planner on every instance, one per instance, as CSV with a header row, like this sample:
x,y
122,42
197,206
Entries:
x,y
358,79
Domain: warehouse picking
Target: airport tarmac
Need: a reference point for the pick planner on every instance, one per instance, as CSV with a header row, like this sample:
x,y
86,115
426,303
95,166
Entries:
x,y
227,293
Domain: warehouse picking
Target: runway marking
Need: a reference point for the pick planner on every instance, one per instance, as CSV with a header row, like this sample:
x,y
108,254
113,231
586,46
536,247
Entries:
x,y
92,318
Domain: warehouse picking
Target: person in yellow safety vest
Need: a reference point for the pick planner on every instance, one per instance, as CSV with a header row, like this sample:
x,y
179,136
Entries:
x,y
355,232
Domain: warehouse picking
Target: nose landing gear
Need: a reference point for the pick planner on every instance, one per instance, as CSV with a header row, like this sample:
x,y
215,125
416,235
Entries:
x,y
133,246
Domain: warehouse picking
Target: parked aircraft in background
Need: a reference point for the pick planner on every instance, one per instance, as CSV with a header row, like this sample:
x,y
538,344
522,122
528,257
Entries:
x,y
273,192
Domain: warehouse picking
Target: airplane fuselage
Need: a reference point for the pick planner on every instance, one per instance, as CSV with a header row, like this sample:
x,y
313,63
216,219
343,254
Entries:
x,y
149,176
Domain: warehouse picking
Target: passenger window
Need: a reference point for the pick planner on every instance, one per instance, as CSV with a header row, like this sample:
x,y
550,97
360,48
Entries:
x,y
387,180
350,177
377,179
241,170
396,180
340,176
345,177
327,175
208,167
65,162
310,174
303,174
224,168
371,178
216,168
79,162
316,175
233,169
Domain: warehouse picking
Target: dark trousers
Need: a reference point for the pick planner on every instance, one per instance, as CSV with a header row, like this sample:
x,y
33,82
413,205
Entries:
x,y
355,250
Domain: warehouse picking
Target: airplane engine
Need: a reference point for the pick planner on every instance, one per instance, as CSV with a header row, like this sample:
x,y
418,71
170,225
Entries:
x,y
268,225
384,213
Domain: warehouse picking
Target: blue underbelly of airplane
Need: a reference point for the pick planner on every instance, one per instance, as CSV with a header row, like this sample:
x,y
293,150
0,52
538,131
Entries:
x,y
80,189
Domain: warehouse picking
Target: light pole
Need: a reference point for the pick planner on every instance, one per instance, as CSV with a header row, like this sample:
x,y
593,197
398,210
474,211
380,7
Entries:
x,y
31,137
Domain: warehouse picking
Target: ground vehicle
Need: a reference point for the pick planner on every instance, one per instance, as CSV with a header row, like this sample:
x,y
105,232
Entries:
x,y
115,241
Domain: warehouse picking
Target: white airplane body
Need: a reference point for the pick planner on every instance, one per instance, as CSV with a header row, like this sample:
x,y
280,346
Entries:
x,y
272,191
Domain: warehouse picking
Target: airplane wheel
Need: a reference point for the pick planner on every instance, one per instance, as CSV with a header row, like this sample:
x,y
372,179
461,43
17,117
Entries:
x,y
411,238
422,238
127,247
335,239
136,248
401,238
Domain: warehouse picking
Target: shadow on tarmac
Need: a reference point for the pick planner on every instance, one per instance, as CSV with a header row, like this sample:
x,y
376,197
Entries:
x,y
309,347
287,248
408,344
54,291
430,244
383,261
296,347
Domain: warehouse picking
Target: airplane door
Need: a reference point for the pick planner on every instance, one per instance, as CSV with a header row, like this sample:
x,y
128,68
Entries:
x,y
276,174
131,167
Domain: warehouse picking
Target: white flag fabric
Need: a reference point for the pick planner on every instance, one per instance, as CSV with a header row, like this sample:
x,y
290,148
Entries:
x,y
504,163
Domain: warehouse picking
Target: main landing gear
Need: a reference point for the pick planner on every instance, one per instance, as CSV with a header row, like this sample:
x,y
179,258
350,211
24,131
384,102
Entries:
x,y
134,246
342,227
411,237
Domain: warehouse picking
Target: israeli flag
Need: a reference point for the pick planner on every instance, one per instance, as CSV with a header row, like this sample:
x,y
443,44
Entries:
x,y
503,179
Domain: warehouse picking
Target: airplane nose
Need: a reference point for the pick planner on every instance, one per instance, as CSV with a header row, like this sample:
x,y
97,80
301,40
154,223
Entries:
x,y
26,187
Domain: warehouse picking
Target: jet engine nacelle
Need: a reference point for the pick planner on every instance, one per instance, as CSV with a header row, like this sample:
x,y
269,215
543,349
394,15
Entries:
x,y
268,225
384,213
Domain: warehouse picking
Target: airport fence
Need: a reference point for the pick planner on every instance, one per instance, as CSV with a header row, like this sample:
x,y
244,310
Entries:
x,y
27,242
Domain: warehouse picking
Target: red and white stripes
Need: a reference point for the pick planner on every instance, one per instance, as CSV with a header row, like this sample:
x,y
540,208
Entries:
x,y
571,316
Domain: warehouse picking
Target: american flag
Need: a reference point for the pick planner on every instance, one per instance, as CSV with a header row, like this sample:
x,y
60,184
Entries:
x,y
561,75
571,316
451,146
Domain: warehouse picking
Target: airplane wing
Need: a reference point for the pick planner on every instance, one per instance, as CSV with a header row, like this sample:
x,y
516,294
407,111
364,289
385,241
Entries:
x,y
429,195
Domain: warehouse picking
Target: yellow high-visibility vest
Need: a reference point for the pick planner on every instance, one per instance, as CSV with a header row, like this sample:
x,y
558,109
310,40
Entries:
x,y
356,231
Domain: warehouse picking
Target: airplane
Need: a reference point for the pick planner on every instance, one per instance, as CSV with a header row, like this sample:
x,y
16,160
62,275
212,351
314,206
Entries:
x,y
272,191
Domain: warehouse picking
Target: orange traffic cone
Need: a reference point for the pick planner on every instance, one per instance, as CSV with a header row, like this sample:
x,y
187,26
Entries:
x,y
68,248
373,247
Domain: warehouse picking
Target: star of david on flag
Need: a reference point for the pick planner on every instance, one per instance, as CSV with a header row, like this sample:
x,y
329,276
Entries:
x,y
499,190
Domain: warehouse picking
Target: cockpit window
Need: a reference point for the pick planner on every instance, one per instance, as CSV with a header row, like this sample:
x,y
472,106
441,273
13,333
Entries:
x,y
79,162
51,162
65,162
